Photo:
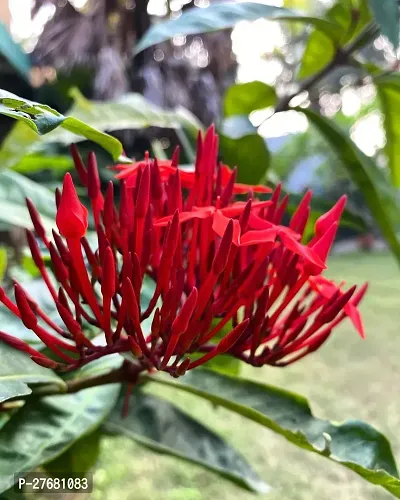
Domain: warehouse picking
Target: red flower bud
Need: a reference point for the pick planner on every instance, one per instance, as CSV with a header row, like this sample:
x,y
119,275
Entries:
x,y
93,187
46,362
58,197
143,195
72,218
28,317
232,337
181,322
135,349
108,281
182,368
70,322
109,209
34,248
175,157
17,343
36,220
60,270
222,254
79,165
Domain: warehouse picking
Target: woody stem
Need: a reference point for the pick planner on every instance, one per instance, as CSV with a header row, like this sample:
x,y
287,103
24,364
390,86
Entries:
x,y
127,372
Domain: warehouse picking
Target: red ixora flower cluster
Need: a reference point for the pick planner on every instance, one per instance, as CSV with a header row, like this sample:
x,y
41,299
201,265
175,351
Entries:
x,y
229,277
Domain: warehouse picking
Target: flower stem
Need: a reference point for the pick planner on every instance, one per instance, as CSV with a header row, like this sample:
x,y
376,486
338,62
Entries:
x,y
127,372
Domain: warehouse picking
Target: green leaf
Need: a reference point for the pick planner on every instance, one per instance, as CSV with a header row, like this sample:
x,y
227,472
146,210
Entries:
x,y
80,458
45,428
13,53
242,147
224,364
18,372
377,192
386,13
221,364
321,47
319,51
3,262
131,111
20,141
354,444
388,88
30,164
42,119
219,16
243,98
14,188
9,409
164,428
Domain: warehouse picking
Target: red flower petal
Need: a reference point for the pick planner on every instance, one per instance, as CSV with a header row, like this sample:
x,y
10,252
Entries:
x,y
237,208
257,237
245,188
220,223
307,253
324,222
197,213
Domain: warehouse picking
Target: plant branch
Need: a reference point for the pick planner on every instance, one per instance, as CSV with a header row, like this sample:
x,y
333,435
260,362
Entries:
x,y
127,372
341,57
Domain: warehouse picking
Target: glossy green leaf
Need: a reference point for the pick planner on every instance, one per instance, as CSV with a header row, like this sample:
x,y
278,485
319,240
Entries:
x,y
18,372
164,428
86,118
14,188
354,444
386,14
80,458
42,119
242,147
243,98
377,192
222,15
388,88
45,428
130,111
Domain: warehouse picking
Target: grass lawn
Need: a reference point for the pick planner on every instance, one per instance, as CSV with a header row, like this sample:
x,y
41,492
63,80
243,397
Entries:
x,y
347,379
